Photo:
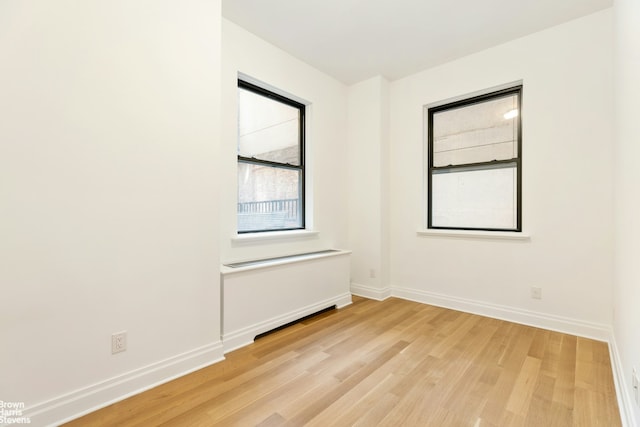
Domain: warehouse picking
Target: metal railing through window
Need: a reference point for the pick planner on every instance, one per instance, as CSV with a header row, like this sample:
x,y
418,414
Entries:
x,y
288,206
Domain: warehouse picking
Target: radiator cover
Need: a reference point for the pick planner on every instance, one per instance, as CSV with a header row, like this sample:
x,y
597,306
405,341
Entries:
x,y
265,295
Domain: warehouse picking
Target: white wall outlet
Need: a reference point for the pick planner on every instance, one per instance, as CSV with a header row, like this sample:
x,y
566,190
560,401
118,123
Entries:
x,y
536,293
118,342
372,273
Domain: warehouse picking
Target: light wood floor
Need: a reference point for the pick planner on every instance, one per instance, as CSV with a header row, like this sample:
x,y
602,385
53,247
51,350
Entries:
x,y
391,363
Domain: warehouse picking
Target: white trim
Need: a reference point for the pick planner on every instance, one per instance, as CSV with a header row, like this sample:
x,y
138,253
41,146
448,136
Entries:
x,y
600,332
475,234
425,168
370,292
279,91
267,236
80,402
597,331
290,259
245,336
625,400
480,92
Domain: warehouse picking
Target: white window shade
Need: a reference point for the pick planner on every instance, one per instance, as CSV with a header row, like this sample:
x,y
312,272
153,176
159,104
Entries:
x,y
482,199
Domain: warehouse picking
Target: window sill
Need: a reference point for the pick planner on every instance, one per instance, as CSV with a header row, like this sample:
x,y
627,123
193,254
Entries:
x,y
274,236
476,234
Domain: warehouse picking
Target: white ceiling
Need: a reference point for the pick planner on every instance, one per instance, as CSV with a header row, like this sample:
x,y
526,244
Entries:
x,y
353,40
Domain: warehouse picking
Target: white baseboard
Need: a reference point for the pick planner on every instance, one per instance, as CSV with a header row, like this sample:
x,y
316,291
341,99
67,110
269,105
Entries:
x,y
576,327
370,292
245,336
88,399
600,332
625,400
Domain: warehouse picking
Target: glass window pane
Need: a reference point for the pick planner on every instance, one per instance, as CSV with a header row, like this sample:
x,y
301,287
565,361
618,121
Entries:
x,y
485,198
269,198
476,133
267,129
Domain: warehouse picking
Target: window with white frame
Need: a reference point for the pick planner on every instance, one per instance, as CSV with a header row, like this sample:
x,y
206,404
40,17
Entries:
x,y
271,169
474,172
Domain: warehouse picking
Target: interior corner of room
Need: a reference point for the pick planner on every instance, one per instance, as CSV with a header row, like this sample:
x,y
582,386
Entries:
x,y
122,265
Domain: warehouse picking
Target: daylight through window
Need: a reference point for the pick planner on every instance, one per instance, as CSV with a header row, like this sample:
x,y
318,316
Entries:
x,y
270,161
475,163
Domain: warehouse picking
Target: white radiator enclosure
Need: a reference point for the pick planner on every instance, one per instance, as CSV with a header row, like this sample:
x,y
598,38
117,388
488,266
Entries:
x,y
265,294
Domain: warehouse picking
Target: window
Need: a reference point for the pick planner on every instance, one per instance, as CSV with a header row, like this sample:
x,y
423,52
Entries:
x,y
270,161
475,163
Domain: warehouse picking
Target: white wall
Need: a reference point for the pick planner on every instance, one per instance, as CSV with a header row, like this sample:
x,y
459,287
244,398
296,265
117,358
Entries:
x,y
627,195
110,167
368,136
108,186
567,181
326,145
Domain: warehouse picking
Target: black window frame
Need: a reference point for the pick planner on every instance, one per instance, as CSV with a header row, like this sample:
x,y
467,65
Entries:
x,y
243,84
493,164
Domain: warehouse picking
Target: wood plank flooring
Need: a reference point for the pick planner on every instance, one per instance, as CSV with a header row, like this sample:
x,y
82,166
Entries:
x,y
390,363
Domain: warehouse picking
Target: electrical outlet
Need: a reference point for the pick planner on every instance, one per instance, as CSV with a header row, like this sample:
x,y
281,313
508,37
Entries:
x,y
536,293
372,273
118,342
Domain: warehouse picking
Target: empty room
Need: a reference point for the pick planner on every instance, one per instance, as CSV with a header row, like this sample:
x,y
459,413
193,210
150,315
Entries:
x,y
339,212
